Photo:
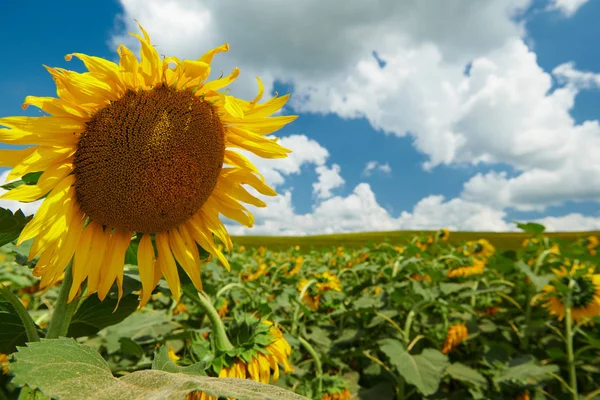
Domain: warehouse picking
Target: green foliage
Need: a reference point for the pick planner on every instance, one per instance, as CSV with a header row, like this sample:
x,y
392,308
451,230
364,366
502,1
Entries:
x,y
373,321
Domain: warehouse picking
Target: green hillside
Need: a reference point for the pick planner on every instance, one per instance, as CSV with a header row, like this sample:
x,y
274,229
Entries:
x,y
501,240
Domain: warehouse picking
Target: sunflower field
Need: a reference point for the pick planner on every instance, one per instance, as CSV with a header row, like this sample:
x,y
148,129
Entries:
x,y
421,319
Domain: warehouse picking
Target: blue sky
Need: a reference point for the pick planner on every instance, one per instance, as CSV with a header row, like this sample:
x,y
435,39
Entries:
x,y
439,132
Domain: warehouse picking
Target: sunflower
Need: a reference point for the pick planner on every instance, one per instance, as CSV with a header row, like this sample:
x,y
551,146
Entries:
x,y
343,394
259,362
138,150
443,234
456,335
476,269
585,296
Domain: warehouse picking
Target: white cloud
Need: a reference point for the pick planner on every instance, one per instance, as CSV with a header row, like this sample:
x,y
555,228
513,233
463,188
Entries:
x,y
374,165
567,7
13,205
328,179
567,73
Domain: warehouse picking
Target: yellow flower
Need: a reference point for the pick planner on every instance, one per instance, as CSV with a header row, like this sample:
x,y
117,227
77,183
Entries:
x,y
456,334
174,357
475,269
377,290
342,395
297,267
523,396
139,148
4,363
332,282
585,296
262,365
242,248
179,309
222,311
443,234
260,271
399,249
419,277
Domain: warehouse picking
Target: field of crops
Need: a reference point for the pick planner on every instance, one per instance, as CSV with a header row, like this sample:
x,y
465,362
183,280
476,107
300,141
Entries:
x,y
429,316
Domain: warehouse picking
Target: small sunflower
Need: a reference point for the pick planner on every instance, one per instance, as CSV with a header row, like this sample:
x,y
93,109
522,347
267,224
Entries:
x,y
456,335
343,394
476,269
260,349
443,234
4,363
591,243
139,149
585,297
299,262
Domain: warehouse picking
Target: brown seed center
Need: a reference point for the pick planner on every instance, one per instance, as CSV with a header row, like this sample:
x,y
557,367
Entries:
x,y
149,161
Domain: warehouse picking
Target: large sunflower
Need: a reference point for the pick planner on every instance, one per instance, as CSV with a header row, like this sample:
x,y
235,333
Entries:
x,y
143,150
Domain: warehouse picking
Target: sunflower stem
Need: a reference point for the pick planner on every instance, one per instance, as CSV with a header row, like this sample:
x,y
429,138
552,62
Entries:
x,y
311,350
30,329
200,298
63,309
569,343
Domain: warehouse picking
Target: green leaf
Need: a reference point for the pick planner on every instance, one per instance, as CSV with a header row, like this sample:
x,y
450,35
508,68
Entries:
x,y
162,362
425,371
94,315
28,394
449,287
64,369
145,323
531,227
11,225
12,333
526,370
131,347
462,373
538,281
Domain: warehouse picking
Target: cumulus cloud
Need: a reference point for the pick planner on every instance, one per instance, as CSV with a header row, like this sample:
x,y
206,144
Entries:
x,y
374,165
328,179
567,7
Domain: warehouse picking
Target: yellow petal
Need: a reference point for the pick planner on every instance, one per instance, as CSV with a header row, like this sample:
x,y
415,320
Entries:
x,y
167,264
108,70
50,210
48,181
245,177
85,90
204,239
146,261
82,254
208,56
219,83
230,208
262,126
185,257
97,256
212,222
10,158
55,107
129,67
232,107
40,159
114,259
237,160
151,68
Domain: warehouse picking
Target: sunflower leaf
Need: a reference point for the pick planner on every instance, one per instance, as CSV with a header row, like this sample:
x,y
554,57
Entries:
x,y
94,315
425,370
11,225
65,369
